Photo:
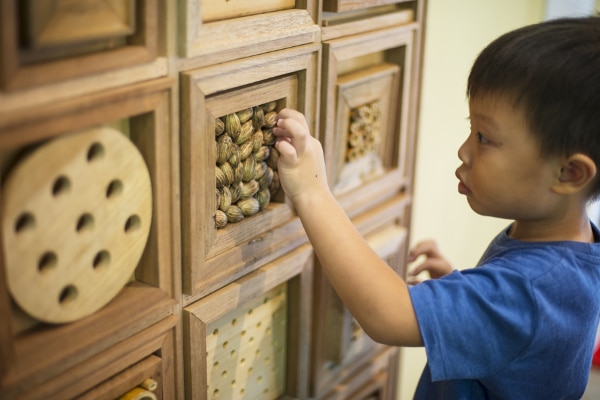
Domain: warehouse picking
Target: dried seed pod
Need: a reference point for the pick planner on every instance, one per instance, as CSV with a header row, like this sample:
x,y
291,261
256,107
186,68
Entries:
x,y
249,167
249,206
218,192
233,126
246,149
238,173
228,172
223,144
261,168
219,126
274,186
234,214
245,133
270,119
225,200
268,107
258,119
264,198
236,191
234,155
265,181
273,158
220,219
245,115
257,140
220,177
249,189
263,153
268,137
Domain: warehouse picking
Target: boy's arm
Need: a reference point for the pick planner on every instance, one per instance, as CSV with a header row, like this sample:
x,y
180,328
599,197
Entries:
x,y
375,295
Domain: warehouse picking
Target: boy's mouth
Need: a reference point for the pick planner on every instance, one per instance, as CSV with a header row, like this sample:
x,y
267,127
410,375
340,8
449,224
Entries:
x,y
462,188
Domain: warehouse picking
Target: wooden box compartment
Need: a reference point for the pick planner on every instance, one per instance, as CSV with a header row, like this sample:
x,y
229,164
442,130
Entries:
x,y
223,30
339,341
365,118
54,40
35,348
215,256
251,338
139,365
374,380
341,18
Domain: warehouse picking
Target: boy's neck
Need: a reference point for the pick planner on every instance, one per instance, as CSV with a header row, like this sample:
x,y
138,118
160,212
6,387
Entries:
x,y
571,229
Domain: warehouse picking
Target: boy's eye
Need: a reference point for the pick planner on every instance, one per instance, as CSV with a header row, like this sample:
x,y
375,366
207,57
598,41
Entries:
x,y
482,139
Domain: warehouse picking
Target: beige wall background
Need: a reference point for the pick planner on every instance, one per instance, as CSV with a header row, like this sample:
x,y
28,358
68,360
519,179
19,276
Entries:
x,y
456,31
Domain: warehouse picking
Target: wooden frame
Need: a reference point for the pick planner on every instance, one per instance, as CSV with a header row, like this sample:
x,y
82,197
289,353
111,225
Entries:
x,y
214,257
351,5
339,342
68,61
118,370
364,57
38,354
212,42
222,322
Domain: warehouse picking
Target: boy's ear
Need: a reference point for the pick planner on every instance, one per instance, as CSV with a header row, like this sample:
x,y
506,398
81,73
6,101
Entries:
x,y
576,172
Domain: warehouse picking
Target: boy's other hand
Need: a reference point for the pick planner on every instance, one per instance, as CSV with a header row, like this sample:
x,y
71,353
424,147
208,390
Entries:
x,y
435,264
301,164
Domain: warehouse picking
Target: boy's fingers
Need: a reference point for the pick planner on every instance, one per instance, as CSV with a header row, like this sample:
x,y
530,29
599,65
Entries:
x,y
292,114
426,247
292,129
287,152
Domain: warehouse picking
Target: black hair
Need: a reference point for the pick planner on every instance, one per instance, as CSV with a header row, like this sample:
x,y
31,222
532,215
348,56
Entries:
x,y
551,70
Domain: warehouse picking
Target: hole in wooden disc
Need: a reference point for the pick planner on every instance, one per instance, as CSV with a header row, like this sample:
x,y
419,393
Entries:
x,y
25,222
62,185
85,223
68,295
95,152
101,260
115,188
132,224
47,262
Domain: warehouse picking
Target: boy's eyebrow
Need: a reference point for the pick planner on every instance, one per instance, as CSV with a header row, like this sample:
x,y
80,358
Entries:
x,y
485,118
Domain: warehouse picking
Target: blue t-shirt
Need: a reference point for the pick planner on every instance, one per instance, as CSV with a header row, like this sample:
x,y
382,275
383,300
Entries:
x,y
521,325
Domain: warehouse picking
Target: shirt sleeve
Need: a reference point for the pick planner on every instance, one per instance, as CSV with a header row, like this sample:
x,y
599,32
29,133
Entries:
x,y
474,322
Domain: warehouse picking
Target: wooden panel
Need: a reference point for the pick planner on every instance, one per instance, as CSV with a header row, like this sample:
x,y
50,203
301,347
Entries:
x,y
54,51
350,5
250,339
142,113
114,371
220,31
386,83
339,341
214,257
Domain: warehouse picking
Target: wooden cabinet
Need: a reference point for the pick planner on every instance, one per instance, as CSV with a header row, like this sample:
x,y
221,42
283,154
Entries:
x,y
145,248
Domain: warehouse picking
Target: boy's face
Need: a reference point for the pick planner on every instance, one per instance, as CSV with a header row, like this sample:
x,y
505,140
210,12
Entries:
x,y
502,172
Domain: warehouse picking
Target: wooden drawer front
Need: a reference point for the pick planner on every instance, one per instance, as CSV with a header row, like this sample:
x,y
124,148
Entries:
x,y
114,371
217,31
365,115
373,380
230,98
55,40
340,342
249,339
38,348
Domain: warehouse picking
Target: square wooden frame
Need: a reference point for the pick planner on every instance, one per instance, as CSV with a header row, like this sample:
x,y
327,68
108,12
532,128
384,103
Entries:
x,y
119,369
394,45
14,74
295,268
212,258
236,38
335,351
39,354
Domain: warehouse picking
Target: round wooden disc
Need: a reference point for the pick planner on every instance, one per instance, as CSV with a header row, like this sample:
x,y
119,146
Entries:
x,y
76,218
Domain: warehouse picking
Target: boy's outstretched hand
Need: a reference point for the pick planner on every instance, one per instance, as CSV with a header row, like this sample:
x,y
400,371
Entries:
x,y
435,264
301,164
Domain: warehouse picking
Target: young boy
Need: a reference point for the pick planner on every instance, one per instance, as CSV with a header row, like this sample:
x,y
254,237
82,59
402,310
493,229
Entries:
x,y
522,324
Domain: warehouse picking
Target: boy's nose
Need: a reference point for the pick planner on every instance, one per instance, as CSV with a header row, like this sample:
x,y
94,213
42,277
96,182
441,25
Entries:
x,y
463,154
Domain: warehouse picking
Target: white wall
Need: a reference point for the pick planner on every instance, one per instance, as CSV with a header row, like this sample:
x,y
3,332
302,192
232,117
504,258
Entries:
x,y
456,31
